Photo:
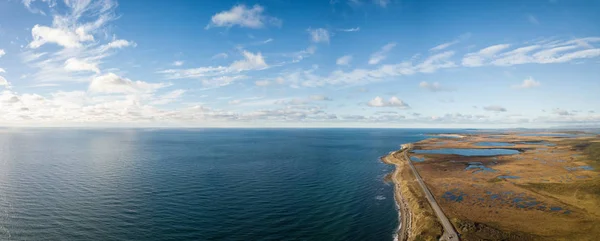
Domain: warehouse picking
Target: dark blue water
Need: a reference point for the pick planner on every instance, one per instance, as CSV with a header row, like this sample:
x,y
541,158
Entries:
x,y
468,151
214,184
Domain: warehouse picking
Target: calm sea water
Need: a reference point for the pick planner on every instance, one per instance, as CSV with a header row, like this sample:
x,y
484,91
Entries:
x,y
201,184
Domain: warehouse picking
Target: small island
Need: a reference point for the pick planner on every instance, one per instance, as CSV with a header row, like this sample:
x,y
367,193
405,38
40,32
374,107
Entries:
x,y
498,186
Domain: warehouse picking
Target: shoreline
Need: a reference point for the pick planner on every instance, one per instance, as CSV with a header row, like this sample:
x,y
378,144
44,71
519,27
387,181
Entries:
x,y
404,214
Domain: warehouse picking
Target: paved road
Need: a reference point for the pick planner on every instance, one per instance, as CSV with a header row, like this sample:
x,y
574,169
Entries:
x,y
449,232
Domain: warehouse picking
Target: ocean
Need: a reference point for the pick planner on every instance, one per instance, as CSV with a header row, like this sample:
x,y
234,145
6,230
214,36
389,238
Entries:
x,y
198,184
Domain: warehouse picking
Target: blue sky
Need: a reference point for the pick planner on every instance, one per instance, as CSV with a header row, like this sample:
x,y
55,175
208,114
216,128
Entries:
x,y
276,63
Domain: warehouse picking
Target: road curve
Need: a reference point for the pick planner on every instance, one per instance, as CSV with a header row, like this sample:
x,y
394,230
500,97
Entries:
x,y
449,232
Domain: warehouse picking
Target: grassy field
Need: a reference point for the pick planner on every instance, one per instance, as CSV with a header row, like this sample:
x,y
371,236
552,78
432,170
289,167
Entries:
x,y
552,193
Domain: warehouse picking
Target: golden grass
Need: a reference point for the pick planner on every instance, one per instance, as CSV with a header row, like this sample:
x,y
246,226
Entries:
x,y
544,176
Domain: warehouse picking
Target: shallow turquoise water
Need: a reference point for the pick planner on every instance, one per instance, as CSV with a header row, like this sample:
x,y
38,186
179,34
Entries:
x,y
198,184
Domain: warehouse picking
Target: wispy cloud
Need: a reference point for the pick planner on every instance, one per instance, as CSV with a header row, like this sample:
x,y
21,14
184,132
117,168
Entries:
x,y
443,46
112,83
392,102
453,42
381,54
220,74
479,58
242,16
434,86
80,53
527,84
319,35
344,60
544,53
349,29
220,56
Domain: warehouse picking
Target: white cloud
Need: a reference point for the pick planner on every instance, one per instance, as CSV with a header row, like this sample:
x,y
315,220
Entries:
x,y
479,58
392,102
443,46
495,108
435,62
550,55
2,70
302,54
493,55
220,56
344,60
516,56
66,30
350,29
112,83
250,62
217,76
547,53
307,78
433,87
43,34
74,64
119,43
381,54
221,80
266,41
178,63
2,53
527,83
242,16
75,28
448,44
319,35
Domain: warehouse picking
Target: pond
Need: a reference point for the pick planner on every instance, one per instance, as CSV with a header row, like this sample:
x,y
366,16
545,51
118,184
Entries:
x,y
485,143
469,151
416,159
478,165
586,168
508,177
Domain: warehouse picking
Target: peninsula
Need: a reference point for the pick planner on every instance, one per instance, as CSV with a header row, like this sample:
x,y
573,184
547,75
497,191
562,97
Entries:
x,y
498,186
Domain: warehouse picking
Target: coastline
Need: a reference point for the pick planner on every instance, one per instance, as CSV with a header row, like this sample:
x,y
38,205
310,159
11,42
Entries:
x,y
404,214
416,216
